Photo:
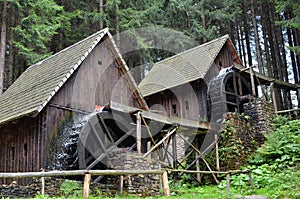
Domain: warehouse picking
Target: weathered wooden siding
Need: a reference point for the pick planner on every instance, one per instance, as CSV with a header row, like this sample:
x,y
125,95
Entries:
x,y
26,144
187,101
23,145
97,82
224,58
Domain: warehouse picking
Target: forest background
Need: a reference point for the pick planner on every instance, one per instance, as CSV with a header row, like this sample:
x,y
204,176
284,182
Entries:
x,y
266,33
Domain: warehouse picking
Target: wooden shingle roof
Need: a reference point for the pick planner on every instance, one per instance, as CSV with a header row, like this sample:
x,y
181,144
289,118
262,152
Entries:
x,y
31,92
182,68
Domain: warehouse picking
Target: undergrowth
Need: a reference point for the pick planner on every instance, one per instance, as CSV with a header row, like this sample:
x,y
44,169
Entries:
x,y
275,168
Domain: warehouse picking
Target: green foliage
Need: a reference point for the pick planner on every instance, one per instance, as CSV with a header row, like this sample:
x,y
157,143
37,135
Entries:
x,y
292,6
40,21
71,188
282,146
275,166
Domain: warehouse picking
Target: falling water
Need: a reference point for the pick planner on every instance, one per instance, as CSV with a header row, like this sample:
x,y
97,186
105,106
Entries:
x,y
63,150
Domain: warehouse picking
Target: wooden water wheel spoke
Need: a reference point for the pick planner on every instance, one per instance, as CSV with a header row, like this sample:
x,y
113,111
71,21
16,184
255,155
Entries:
x,y
108,150
103,134
105,128
95,132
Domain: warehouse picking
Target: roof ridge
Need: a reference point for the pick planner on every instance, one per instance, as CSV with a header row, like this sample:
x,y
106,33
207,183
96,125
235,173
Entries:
x,y
67,48
213,51
194,48
73,69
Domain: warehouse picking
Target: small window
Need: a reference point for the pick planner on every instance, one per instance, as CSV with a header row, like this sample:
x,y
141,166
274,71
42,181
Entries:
x,y
186,105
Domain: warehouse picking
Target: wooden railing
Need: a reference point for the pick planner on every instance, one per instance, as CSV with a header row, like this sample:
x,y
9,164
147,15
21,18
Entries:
x,y
87,177
88,173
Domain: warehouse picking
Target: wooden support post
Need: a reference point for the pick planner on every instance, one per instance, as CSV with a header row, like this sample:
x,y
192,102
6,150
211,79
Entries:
x,y
228,184
121,185
148,148
198,163
174,149
251,179
165,184
252,81
217,153
138,133
273,96
160,142
43,184
86,185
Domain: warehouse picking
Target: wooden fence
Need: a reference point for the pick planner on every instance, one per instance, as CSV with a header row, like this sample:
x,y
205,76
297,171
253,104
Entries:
x,y
88,173
87,177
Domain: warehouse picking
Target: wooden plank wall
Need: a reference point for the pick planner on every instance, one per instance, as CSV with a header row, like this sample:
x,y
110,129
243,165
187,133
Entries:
x,y
22,145
26,143
224,58
97,82
183,97
187,101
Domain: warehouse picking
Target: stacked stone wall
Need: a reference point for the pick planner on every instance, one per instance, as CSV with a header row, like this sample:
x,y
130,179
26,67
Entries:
x,y
141,185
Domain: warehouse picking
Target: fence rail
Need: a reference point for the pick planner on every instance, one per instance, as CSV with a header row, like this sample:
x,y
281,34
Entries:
x,y
87,176
88,173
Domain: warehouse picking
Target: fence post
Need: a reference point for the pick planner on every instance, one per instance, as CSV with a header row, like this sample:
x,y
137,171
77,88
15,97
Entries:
x,y
86,185
121,185
251,179
43,183
166,184
138,133
228,184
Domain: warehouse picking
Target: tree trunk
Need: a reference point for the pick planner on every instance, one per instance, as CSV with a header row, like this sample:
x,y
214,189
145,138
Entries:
x,y
264,22
203,20
273,52
3,45
239,41
247,34
257,42
10,60
243,46
101,14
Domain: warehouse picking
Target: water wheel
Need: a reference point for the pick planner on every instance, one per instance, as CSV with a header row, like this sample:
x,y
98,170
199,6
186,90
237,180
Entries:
x,y
104,133
226,93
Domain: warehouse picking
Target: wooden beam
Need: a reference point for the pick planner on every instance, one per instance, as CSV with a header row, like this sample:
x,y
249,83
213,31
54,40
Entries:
x,y
160,142
138,133
273,96
228,184
78,172
252,82
121,185
166,184
217,153
86,185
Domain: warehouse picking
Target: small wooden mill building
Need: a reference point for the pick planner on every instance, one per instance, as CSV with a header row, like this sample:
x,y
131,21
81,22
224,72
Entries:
x,y
49,93
178,85
206,80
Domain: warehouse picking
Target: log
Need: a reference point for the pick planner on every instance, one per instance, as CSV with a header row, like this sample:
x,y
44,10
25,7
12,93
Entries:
x,y
217,153
160,142
166,184
121,185
78,172
86,186
228,184
138,133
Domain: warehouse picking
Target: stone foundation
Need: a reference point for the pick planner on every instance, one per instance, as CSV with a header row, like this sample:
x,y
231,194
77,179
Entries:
x,y
140,185
261,116
244,133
